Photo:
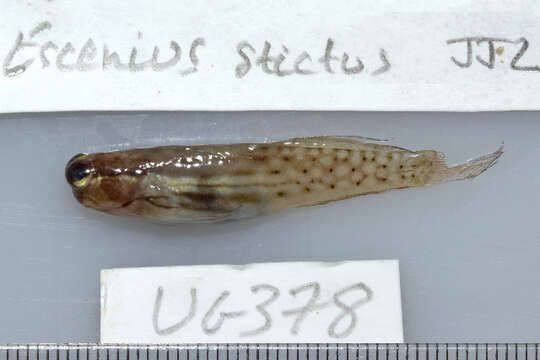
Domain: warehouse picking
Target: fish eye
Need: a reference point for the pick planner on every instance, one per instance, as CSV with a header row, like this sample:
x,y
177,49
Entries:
x,y
78,173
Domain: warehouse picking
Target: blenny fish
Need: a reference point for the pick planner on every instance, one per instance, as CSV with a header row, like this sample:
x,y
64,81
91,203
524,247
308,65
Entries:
x,y
209,183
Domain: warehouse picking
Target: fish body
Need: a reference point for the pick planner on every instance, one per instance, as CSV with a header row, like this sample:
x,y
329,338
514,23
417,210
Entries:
x,y
209,183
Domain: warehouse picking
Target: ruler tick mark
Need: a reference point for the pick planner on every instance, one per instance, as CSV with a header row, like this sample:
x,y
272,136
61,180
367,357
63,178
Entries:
x,y
407,352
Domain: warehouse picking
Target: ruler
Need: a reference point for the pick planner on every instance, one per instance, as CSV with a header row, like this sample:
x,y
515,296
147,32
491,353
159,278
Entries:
x,y
271,352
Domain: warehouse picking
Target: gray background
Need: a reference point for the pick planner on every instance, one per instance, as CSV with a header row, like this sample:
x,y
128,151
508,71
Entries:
x,y
468,250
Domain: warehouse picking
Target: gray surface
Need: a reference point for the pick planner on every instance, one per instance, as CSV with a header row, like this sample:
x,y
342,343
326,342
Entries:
x,y
468,250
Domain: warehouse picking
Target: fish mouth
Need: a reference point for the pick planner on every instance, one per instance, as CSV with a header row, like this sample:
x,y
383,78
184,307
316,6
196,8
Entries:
x,y
91,203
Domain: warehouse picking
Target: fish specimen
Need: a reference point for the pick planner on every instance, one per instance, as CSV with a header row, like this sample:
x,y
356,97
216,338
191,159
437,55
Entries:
x,y
210,183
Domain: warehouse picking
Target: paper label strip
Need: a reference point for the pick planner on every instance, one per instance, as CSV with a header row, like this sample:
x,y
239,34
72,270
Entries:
x,y
248,55
270,302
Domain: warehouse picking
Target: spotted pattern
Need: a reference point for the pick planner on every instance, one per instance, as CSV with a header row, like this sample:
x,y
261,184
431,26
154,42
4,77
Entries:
x,y
291,176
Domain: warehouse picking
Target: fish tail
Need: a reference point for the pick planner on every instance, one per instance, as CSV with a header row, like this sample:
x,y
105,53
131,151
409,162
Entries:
x,y
467,170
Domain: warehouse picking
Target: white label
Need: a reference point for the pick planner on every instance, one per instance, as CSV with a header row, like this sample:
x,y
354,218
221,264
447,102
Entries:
x,y
356,301
270,55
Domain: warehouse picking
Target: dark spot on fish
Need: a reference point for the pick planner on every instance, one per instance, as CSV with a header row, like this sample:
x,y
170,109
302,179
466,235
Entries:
x,y
259,158
205,176
244,172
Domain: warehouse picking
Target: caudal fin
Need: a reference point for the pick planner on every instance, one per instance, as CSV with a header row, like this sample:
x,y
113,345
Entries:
x,y
471,168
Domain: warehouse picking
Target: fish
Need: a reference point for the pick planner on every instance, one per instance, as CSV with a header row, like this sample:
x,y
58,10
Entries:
x,y
213,183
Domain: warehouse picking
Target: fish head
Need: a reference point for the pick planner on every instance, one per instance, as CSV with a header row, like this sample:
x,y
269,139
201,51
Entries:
x,y
100,182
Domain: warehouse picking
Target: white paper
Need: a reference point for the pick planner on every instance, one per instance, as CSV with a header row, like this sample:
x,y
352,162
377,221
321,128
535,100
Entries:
x,y
354,301
97,55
